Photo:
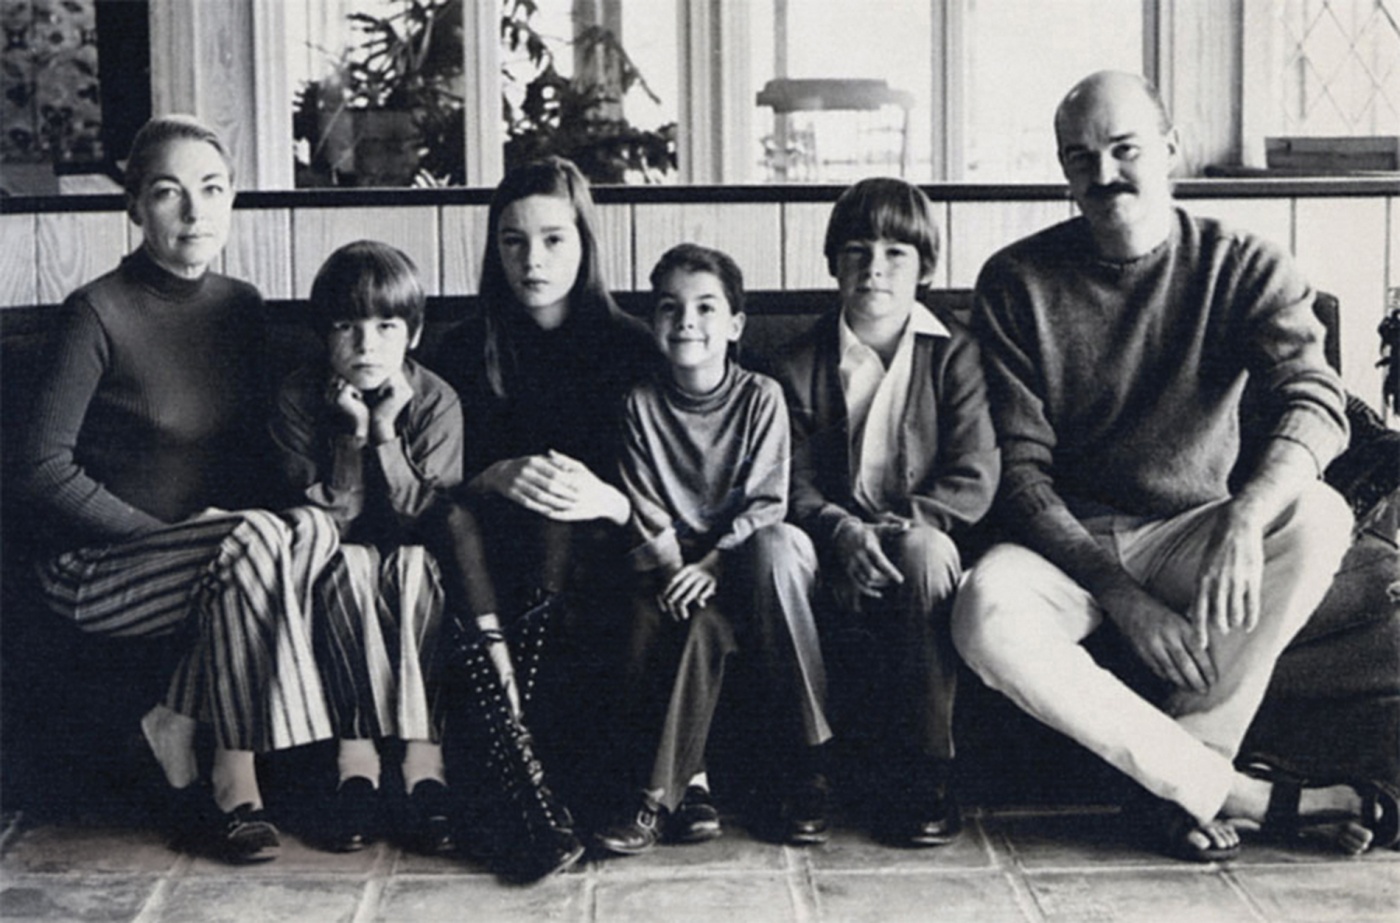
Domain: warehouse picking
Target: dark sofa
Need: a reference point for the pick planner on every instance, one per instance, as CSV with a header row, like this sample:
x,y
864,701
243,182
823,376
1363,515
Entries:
x,y
69,703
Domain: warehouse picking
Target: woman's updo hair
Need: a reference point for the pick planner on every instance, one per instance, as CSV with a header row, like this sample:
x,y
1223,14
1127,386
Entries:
x,y
159,132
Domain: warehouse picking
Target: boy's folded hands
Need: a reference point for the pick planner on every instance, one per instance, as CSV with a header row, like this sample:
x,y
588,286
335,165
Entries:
x,y
867,570
690,588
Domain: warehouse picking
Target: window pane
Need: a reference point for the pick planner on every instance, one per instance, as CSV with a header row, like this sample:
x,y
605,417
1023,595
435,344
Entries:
x,y
839,129
1335,65
1022,57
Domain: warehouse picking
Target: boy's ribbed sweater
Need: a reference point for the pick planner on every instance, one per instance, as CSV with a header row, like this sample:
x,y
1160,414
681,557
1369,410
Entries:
x,y
704,471
146,414
1119,383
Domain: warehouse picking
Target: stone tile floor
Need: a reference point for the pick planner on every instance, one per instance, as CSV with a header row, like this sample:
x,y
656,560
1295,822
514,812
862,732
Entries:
x,y
1068,865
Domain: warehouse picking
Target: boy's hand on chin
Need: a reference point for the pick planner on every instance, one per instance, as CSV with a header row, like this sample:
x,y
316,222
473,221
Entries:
x,y
347,399
394,396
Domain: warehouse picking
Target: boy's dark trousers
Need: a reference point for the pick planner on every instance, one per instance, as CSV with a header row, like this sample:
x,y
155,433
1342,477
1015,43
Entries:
x,y
675,670
893,662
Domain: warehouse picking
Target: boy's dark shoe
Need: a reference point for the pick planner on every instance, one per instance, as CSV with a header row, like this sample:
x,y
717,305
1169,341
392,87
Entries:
x,y
427,822
635,832
696,820
353,819
927,815
803,816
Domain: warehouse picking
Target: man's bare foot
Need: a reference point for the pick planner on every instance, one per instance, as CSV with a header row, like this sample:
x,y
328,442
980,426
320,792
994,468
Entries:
x,y
171,738
1336,814
1351,816
1170,828
1215,835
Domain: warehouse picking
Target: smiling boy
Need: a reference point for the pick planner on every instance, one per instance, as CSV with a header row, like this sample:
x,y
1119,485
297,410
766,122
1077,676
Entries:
x,y
705,466
893,454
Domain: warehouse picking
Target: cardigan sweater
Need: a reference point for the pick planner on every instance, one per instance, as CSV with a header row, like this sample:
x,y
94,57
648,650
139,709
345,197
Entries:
x,y
703,471
150,406
946,455
374,492
1119,383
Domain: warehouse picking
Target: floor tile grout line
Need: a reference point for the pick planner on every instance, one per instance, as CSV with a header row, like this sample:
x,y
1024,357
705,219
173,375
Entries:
x,y
590,893
11,832
165,883
802,884
988,847
155,901
1234,884
1025,896
371,897
376,881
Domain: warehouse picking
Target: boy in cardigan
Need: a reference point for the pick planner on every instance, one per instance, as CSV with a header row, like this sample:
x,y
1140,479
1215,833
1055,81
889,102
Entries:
x,y
705,466
893,455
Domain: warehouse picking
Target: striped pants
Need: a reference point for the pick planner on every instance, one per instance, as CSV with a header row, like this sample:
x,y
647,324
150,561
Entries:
x,y
376,633
239,587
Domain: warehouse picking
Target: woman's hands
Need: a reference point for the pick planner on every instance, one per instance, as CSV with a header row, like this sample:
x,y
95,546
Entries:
x,y
556,486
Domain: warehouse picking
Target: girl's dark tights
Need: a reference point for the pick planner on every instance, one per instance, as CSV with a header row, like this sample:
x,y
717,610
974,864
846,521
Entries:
x,y
533,552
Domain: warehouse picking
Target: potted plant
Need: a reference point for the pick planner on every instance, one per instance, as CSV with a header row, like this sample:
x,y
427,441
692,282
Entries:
x,y
581,118
389,113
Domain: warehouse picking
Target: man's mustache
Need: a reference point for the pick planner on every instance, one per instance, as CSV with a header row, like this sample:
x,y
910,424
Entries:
x,y
1111,189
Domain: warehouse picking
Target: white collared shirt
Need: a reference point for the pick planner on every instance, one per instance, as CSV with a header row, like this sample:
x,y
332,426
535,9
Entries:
x,y
876,398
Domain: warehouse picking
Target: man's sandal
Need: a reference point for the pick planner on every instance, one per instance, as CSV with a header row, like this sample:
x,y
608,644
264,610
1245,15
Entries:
x,y
1166,827
1380,808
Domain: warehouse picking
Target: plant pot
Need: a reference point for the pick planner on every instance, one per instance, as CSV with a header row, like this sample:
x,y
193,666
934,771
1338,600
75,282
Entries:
x,y
386,147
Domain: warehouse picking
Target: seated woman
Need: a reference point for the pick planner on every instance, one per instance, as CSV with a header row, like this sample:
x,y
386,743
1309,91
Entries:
x,y
144,435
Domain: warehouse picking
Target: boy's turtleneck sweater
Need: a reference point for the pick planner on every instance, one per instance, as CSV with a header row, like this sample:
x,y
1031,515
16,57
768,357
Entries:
x,y
147,412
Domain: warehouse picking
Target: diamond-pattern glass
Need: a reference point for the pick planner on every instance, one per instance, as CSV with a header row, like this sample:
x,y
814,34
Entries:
x,y
1340,66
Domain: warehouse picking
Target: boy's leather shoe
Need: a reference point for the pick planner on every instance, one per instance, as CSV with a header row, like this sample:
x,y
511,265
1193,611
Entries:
x,y
804,811
937,824
635,833
428,819
929,817
696,820
353,821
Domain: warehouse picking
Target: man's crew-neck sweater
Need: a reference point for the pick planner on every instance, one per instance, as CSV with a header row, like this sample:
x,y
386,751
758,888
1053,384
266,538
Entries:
x,y
1119,383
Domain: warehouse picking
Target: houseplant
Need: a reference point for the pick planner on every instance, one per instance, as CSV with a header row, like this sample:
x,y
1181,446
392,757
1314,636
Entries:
x,y
581,117
389,112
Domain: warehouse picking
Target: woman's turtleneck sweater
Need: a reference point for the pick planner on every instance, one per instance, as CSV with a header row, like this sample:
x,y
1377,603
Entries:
x,y
704,470
149,405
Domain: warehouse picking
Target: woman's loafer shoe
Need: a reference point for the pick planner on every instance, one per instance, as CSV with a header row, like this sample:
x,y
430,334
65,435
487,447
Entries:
x,y
240,836
246,835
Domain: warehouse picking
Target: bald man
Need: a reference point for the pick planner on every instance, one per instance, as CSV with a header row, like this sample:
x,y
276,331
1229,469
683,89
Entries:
x,y
1117,345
